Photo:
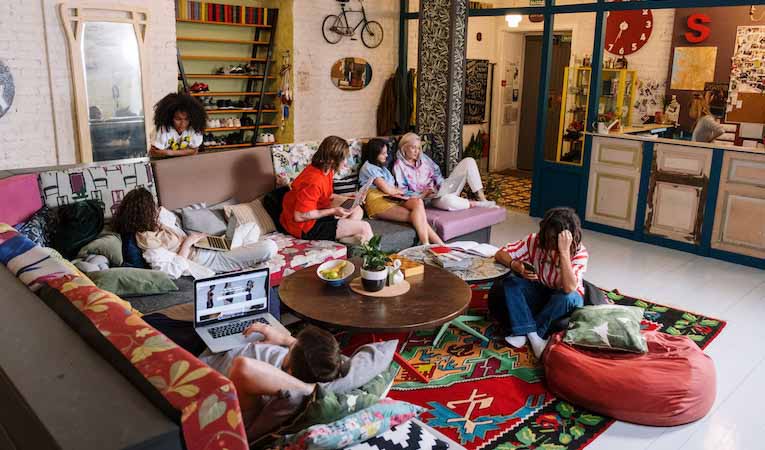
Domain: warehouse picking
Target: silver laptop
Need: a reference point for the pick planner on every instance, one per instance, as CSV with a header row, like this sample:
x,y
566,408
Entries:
x,y
217,243
225,305
361,195
449,186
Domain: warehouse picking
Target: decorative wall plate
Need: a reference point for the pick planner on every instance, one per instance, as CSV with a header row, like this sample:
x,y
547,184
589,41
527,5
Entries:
x,y
7,89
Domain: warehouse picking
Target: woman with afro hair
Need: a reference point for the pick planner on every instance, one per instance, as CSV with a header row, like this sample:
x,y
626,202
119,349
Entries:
x,y
179,121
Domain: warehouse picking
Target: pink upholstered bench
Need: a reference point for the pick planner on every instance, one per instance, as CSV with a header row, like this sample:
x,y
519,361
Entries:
x,y
452,224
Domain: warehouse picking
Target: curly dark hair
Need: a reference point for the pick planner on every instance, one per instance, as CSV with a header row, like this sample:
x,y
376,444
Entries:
x,y
555,221
316,357
331,153
137,213
372,150
166,108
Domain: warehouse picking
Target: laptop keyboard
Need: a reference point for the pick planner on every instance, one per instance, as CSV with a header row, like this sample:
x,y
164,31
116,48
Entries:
x,y
233,328
217,242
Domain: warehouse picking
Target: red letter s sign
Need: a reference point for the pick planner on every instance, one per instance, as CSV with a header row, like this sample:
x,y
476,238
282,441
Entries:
x,y
695,23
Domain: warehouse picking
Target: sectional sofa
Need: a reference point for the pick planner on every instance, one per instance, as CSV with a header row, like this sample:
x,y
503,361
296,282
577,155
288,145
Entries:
x,y
67,383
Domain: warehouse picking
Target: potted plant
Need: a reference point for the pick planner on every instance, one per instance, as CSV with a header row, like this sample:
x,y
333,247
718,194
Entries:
x,y
374,273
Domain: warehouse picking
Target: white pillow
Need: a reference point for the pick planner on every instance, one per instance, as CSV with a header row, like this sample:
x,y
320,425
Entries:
x,y
251,212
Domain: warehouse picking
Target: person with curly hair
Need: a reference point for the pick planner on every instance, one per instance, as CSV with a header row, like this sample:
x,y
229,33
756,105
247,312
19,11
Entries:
x,y
179,122
138,216
548,283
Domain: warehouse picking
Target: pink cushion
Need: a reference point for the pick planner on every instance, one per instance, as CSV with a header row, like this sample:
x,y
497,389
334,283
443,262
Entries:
x,y
19,198
672,384
451,224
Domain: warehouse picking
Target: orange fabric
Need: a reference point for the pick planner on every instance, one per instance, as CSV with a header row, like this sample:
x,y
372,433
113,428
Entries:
x,y
311,190
673,384
205,399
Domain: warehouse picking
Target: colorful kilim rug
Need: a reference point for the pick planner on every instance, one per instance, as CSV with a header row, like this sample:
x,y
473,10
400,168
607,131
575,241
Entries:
x,y
491,396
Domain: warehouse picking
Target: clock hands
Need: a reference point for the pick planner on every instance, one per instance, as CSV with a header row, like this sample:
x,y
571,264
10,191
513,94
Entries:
x,y
622,28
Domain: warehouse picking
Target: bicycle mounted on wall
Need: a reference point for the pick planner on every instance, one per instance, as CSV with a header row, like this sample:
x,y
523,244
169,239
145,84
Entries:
x,y
335,27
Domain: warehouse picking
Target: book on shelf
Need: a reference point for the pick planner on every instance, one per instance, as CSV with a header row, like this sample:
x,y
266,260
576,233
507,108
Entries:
x,y
221,13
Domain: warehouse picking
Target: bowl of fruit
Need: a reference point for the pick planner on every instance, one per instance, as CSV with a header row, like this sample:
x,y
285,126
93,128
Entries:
x,y
335,273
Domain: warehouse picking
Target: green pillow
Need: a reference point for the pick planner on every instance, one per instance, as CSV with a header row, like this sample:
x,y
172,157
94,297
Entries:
x,y
129,281
611,327
108,245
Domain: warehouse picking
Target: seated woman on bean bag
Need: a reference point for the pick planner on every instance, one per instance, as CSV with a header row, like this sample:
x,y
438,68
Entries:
x,y
418,176
386,201
550,267
307,211
138,217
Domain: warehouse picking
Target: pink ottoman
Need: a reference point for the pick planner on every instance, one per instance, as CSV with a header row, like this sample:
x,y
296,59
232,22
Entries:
x,y
673,384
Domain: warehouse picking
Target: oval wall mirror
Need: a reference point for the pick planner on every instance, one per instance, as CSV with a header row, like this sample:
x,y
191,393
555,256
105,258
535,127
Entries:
x,y
351,74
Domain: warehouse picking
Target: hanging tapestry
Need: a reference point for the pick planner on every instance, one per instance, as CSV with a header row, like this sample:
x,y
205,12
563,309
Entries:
x,y
476,79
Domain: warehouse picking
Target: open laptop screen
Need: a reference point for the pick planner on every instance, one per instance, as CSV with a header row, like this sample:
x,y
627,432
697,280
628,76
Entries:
x,y
231,296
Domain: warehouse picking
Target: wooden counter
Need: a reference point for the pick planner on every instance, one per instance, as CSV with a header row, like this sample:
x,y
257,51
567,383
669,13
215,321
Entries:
x,y
695,197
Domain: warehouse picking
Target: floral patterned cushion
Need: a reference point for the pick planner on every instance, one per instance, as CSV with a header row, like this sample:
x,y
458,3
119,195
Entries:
x,y
205,400
295,254
291,159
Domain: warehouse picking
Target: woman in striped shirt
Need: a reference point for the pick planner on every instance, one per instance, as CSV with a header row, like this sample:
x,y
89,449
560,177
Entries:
x,y
547,283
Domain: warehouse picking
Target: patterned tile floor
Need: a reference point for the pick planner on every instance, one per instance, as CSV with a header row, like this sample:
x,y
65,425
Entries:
x,y
511,189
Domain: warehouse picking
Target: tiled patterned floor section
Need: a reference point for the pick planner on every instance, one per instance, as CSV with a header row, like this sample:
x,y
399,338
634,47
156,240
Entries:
x,y
508,190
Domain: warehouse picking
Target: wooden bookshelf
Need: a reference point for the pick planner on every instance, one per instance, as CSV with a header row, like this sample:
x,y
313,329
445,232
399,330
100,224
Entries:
x,y
239,111
247,127
212,148
220,41
221,58
232,76
253,44
229,94
231,24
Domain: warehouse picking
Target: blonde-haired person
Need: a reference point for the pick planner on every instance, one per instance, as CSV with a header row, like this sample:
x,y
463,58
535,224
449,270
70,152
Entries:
x,y
706,129
307,211
419,176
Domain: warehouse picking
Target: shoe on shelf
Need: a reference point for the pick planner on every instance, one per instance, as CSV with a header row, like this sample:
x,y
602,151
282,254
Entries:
x,y
199,87
246,121
238,70
271,138
268,106
262,138
219,71
236,122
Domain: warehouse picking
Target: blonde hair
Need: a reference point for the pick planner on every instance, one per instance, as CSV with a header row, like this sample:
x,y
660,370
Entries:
x,y
408,138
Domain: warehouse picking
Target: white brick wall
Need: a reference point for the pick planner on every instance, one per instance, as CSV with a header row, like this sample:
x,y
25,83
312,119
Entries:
x,y
39,129
320,108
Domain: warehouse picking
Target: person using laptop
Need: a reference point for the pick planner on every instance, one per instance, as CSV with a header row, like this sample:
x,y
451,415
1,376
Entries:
x,y
279,362
138,216
419,176
307,211
386,201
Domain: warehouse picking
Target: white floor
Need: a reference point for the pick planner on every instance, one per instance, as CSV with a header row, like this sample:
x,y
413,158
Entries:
x,y
715,288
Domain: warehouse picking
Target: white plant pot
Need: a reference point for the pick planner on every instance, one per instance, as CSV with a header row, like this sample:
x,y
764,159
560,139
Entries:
x,y
374,281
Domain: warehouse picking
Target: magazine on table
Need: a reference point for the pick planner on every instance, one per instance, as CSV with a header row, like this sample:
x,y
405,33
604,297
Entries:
x,y
474,248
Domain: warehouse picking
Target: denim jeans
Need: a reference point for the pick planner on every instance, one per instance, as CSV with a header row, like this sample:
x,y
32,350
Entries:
x,y
534,307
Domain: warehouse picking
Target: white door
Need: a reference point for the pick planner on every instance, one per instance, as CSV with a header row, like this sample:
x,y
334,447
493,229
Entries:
x,y
507,97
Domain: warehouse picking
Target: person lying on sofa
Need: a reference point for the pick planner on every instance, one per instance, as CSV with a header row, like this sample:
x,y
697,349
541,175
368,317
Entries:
x,y
307,211
279,362
179,122
418,175
385,200
550,267
138,216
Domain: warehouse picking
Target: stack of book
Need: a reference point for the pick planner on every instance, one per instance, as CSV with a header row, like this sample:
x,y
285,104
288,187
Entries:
x,y
219,12
445,258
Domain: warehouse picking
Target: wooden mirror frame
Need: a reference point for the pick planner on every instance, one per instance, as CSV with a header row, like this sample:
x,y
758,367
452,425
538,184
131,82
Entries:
x,y
73,14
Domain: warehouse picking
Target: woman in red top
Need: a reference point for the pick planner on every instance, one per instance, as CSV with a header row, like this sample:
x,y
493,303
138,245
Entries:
x,y
307,212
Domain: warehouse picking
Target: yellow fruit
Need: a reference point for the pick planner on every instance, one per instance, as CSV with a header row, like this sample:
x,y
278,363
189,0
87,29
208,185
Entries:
x,y
332,276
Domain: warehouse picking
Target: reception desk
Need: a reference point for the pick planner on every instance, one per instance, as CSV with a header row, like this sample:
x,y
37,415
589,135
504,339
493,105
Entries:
x,y
701,198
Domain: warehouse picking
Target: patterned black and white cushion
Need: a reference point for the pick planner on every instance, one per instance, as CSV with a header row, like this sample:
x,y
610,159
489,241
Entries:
x,y
407,436
346,185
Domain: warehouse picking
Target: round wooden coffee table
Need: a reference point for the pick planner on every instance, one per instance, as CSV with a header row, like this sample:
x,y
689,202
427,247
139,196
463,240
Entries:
x,y
436,297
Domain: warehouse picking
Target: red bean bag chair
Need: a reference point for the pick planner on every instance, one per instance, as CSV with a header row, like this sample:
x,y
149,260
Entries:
x,y
673,384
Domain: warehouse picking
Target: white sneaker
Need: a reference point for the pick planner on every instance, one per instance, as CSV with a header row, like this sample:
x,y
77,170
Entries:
x,y
486,204
262,138
271,138
236,122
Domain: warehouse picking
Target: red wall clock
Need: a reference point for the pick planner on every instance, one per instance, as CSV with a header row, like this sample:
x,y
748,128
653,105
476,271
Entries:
x,y
628,31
